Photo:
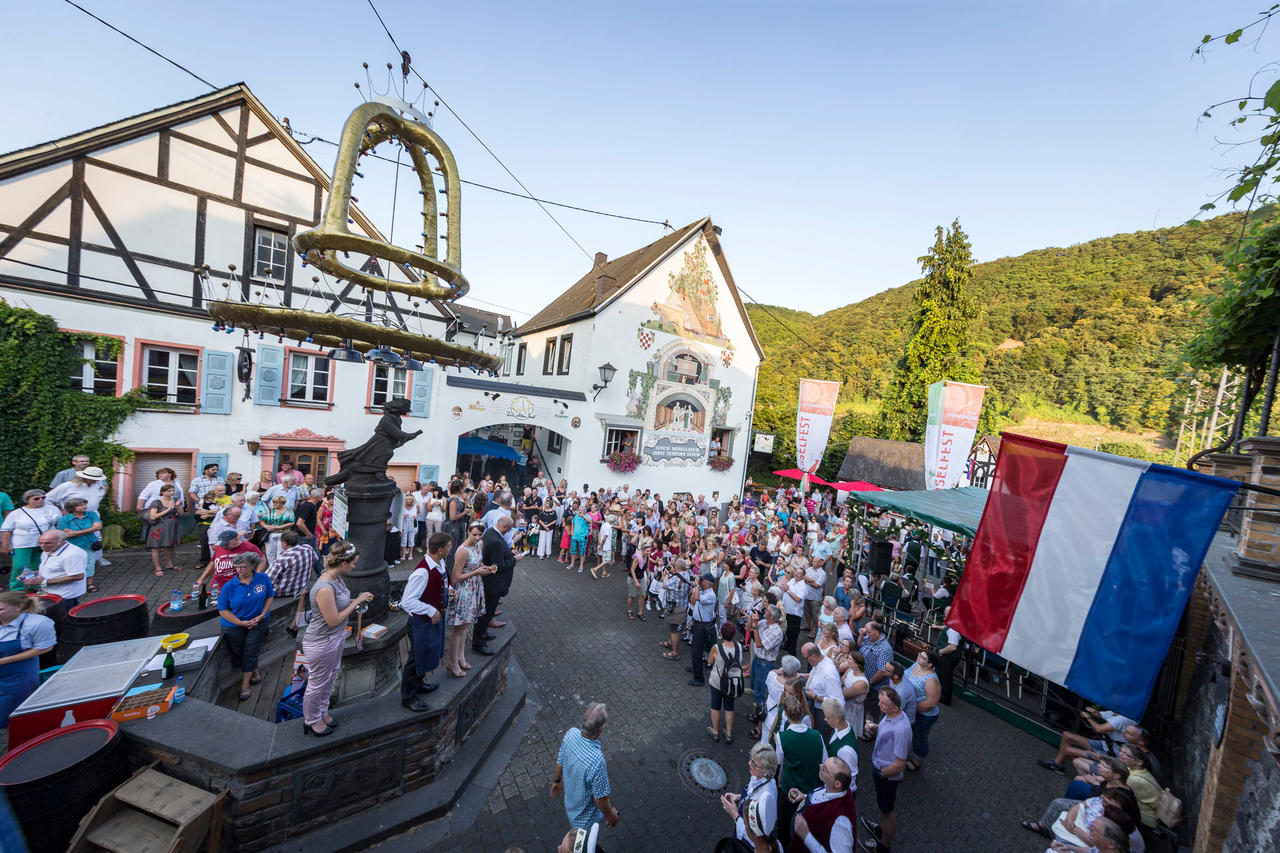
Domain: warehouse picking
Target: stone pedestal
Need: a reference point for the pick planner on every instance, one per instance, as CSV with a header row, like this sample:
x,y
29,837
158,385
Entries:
x,y
375,669
368,508
1258,554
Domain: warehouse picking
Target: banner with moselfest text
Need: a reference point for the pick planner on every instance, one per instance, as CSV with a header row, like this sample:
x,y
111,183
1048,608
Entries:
x,y
813,424
954,408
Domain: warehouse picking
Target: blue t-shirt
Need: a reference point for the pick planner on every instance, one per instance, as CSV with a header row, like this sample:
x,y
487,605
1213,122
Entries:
x,y
245,600
580,526
70,522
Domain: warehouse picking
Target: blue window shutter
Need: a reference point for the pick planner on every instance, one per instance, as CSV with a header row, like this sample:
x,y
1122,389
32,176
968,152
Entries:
x,y
428,473
270,376
203,459
420,393
217,382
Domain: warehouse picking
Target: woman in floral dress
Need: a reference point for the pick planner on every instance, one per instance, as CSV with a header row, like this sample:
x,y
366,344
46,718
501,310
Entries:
x,y
466,601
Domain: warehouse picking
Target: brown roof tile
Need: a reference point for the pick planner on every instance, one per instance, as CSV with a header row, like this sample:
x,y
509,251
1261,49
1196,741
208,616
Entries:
x,y
584,296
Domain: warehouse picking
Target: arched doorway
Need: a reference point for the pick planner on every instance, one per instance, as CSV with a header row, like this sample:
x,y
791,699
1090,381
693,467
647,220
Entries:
x,y
514,450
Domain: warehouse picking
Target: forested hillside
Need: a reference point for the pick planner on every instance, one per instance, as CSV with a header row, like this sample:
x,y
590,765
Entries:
x,y
1091,333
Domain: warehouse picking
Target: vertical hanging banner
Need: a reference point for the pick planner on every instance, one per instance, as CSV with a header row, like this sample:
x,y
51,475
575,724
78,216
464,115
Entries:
x,y
954,408
813,424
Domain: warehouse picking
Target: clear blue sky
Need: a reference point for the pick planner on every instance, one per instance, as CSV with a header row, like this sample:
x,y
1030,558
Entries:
x,y
826,138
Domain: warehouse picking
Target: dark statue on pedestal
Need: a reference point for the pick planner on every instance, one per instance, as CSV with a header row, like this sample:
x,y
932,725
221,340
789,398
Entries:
x,y
369,491
366,465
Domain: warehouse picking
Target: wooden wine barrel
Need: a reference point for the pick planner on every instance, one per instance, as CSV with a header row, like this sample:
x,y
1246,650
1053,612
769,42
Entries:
x,y
103,620
53,780
164,623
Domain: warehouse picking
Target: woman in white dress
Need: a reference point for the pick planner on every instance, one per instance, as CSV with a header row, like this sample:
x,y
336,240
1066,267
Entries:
x,y
850,663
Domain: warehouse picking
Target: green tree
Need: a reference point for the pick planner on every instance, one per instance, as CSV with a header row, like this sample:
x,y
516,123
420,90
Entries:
x,y
43,420
943,312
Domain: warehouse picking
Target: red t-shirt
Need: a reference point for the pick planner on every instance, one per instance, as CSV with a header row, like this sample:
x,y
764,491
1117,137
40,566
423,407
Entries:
x,y
223,570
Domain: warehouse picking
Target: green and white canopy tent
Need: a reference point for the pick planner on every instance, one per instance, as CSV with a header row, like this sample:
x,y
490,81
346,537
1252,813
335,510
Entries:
x,y
959,509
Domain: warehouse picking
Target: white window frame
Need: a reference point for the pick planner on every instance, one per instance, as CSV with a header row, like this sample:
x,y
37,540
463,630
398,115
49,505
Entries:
x,y
172,386
394,382
507,352
313,367
88,376
549,358
276,252
614,436
565,356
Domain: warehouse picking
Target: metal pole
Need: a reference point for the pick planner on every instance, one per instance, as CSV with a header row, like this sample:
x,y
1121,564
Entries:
x,y
1217,404
1269,395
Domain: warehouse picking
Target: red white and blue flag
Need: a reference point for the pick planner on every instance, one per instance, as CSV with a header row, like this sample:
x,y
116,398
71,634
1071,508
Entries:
x,y
1083,563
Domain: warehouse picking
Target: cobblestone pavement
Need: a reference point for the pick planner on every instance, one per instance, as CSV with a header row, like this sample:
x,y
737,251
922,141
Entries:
x,y
577,646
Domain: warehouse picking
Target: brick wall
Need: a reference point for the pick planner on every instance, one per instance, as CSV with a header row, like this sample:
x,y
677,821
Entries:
x,y
1230,765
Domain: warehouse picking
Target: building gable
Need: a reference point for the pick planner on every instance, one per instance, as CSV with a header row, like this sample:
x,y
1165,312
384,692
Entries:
x,y
128,211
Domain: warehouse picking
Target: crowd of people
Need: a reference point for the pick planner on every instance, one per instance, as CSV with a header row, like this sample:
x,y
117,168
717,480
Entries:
x,y
756,588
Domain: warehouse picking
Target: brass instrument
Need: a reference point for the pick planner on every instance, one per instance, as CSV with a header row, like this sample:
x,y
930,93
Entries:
x,y
324,246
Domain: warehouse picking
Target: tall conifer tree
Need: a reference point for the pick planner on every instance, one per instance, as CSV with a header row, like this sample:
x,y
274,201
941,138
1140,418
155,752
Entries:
x,y
942,314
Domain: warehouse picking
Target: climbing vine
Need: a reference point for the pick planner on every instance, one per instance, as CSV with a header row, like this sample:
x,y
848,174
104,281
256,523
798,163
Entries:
x,y
43,420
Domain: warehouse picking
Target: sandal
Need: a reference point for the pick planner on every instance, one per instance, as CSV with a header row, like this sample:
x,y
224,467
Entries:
x,y
666,644
728,738
715,735
457,673
159,573
1037,828
640,616
755,733
670,656
630,615
92,587
257,679
245,694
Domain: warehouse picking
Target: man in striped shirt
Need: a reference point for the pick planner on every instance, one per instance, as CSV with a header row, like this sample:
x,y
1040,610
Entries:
x,y
765,644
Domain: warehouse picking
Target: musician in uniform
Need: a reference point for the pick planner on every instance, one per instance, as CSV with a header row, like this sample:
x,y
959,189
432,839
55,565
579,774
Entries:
x,y
826,817
425,595
755,810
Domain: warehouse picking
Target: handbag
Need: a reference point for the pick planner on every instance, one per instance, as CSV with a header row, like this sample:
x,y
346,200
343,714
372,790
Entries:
x,y
259,537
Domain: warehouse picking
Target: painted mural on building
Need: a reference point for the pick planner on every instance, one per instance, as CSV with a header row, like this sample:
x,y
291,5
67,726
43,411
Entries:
x,y
689,310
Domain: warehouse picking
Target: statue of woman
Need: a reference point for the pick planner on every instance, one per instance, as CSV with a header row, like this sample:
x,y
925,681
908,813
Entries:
x,y
369,460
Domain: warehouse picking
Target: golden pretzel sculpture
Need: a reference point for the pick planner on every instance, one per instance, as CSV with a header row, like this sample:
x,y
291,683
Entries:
x,y
368,125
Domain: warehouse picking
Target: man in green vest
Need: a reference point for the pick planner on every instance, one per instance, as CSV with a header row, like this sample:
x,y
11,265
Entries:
x,y
801,752
844,742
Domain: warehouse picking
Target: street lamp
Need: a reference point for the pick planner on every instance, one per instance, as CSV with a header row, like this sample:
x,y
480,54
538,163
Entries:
x,y
607,372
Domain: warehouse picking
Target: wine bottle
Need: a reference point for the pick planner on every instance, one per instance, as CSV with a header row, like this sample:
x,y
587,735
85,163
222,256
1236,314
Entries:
x,y
203,601
166,672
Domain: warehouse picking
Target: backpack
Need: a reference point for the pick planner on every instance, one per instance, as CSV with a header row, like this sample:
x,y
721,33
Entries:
x,y
1169,809
731,674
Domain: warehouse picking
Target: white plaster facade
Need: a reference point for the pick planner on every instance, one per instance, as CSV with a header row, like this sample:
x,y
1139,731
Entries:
x,y
103,231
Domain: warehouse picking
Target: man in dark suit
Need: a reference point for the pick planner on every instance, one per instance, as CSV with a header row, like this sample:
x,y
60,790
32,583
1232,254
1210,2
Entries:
x,y
494,552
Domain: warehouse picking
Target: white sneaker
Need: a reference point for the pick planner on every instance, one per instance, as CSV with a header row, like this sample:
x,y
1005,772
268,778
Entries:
x,y
579,569
648,605
103,561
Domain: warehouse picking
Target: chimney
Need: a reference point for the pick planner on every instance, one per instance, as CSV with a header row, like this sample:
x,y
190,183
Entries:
x,y
601,259
605,283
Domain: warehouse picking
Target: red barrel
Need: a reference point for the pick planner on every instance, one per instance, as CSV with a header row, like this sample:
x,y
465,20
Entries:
x,y
104,620
53,780
164,623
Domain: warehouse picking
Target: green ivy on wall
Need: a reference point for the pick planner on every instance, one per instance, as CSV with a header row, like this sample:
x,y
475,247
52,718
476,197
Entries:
x,y
43,420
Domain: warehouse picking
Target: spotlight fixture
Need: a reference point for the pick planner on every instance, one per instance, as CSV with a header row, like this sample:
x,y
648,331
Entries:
x,y
385,356
346,353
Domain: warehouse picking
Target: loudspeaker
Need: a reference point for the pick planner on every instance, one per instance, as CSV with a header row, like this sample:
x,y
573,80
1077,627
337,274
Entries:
x,y
881,558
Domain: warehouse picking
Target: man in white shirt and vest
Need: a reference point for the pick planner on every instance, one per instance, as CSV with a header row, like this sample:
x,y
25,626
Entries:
x,y
425,596
826,822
